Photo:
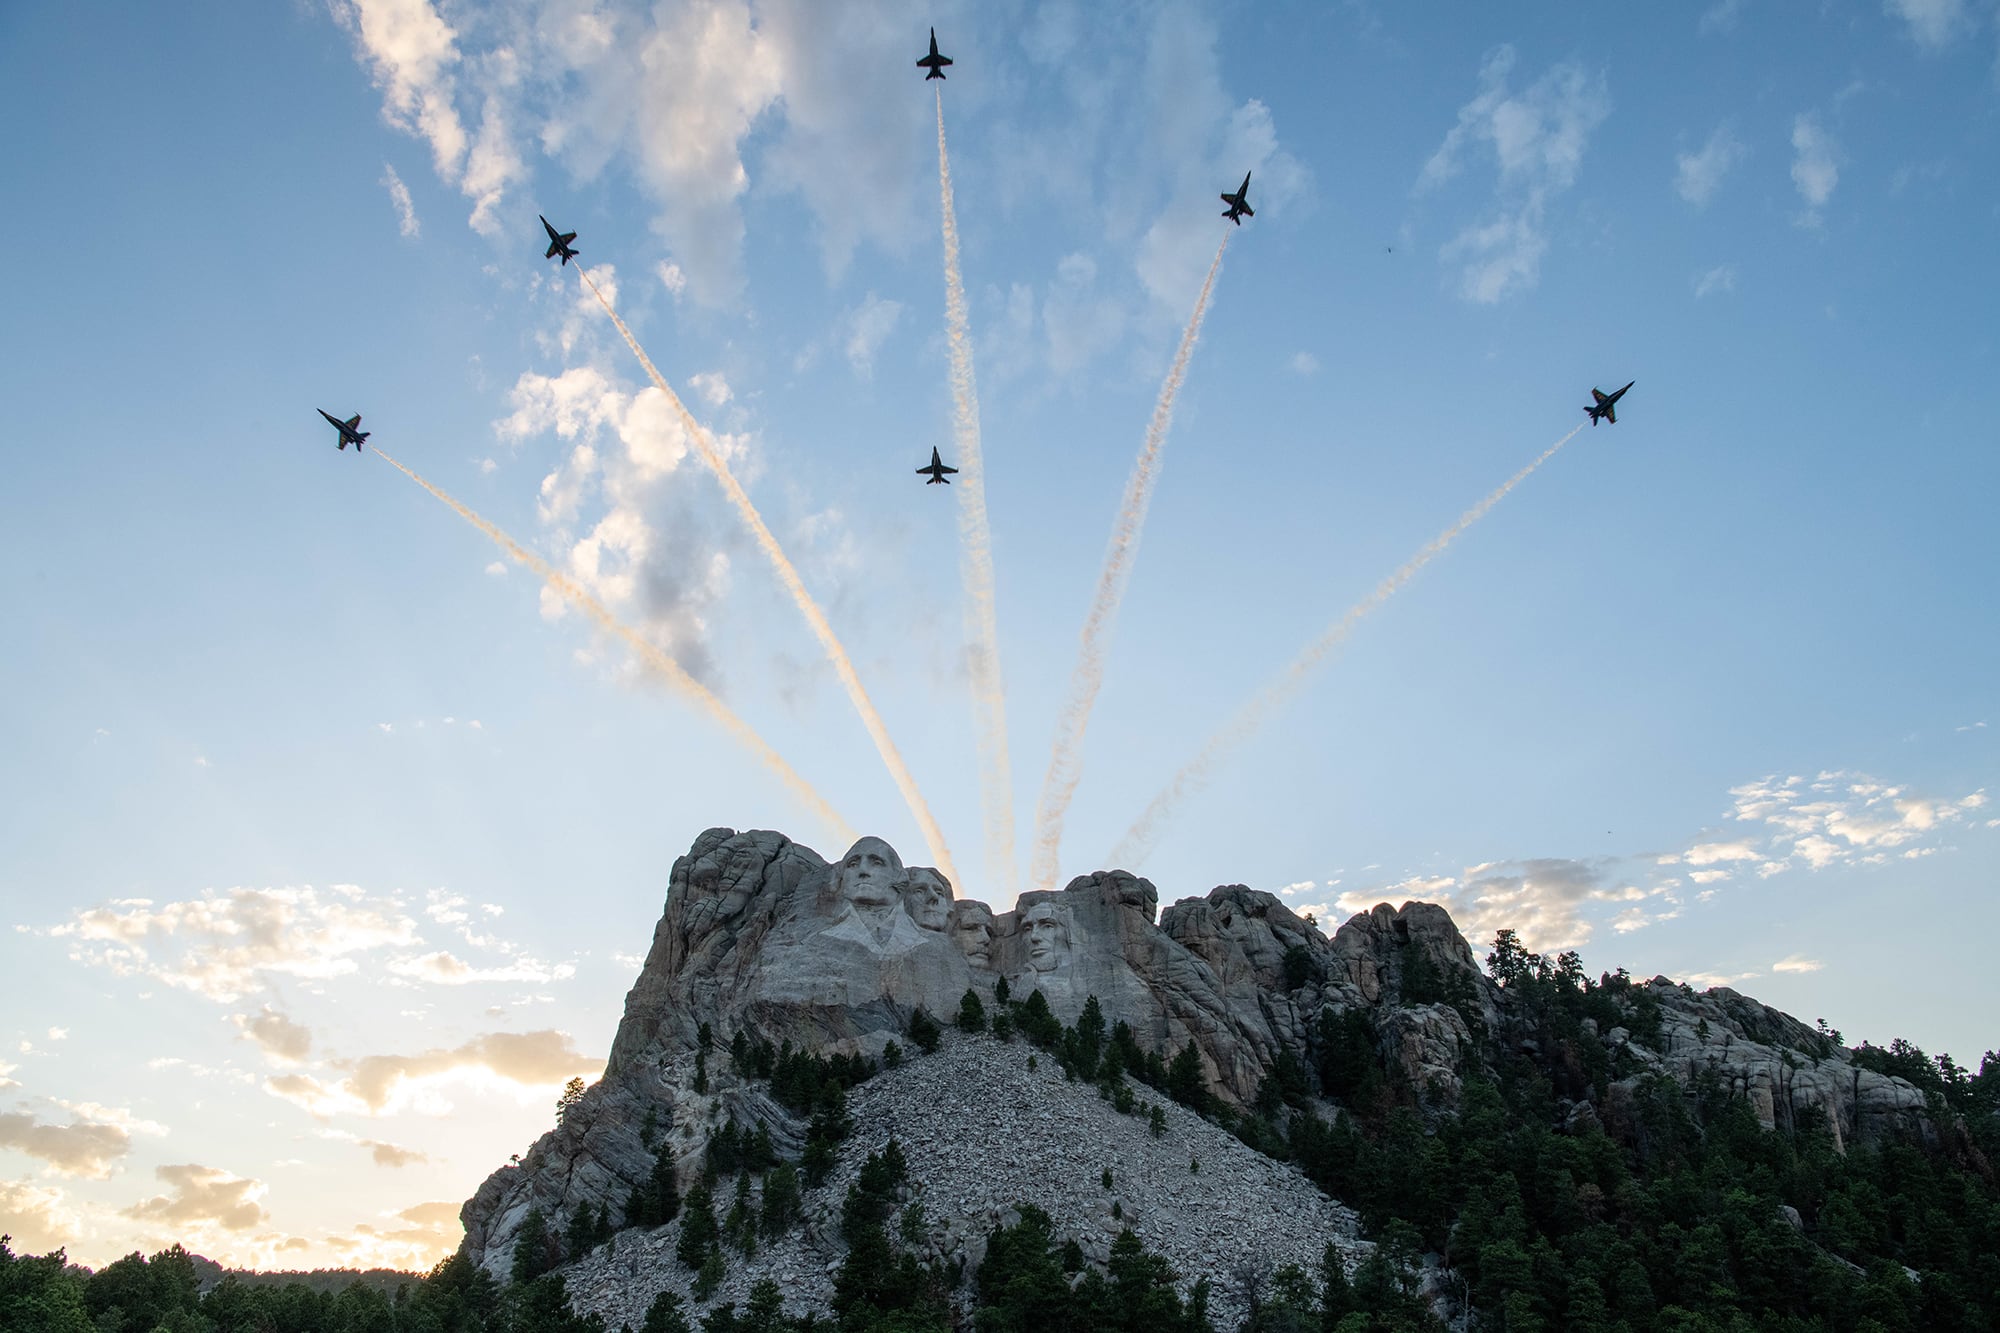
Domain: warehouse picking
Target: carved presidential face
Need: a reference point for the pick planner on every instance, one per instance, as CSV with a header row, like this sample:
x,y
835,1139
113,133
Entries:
x,y
1046,936
927,898
871,876
972,931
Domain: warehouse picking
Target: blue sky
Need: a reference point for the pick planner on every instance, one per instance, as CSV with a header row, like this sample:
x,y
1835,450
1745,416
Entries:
x,y
330,844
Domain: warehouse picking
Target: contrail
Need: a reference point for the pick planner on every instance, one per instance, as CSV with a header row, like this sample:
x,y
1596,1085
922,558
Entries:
x,y
1066,763
789,576
989,702
654,657
1139,839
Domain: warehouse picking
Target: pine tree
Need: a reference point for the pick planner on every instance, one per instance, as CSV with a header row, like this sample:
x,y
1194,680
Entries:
x,y
781,1200
971,1013
532,1247
699,1233
710,1275
667,1314
572,1093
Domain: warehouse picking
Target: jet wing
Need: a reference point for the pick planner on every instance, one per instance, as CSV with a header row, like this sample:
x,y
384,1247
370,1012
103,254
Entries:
x,y
353,422
1601,399
950,469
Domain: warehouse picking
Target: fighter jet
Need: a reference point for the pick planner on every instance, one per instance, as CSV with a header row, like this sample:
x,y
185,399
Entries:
x,y
935,63
936,470
1605,407
350,429
1239,203
559,243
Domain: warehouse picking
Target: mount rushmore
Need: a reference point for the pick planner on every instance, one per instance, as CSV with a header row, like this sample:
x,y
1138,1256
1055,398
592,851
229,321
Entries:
x,y
761,936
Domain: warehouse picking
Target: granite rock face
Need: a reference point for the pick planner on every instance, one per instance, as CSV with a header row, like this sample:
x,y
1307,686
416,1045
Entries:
x,y
763,937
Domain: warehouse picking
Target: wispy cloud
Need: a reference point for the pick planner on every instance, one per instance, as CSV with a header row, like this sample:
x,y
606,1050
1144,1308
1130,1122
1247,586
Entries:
x,y
868,326
443,968
1843,818
415,58
1797,963
1537,138
1721,278
1720,17
411,1239
1932,23
224,945
276,1035
1815,165
1303,364
399,195
1698,175
1557,903
385,1084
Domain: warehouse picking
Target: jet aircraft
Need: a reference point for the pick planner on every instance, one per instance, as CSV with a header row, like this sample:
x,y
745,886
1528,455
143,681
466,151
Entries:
x,y
350,429
934,62
559,243
1239,203
1606,406
936,470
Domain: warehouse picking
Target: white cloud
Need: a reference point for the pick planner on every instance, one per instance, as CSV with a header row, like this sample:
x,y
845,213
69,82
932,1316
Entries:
x,y
275,1034
712,387
411,1240
1932,23
1537,139
630,532
202,1197
58,1034
672,278
385,1154
1709,979
497,569
5,1070
1815,165
868,327
415,58
35,1217
85,1148
1797,963
1715,853
1721,278
99,1114
399,195
543,1059
444,968
1303,363
1697,176
1720,17
487,467
223,945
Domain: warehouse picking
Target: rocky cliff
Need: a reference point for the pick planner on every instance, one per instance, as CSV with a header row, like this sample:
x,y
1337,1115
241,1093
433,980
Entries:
x,y
761,936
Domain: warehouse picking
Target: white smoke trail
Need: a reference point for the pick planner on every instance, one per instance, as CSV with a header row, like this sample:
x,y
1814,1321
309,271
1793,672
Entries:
x,y
650,653
788,575
1066,760
989,701
1139,839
